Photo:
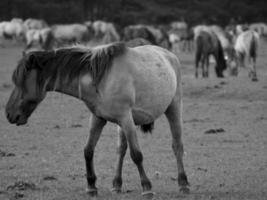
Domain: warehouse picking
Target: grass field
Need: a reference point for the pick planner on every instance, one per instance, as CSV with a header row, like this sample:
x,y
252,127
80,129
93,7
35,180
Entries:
x,y
44,159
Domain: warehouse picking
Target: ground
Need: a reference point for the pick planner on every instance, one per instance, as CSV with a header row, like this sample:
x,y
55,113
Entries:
x,y
44,159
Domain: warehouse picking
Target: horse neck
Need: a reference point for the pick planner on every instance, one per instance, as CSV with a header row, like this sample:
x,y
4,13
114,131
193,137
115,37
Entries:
x,y
74,88
70,88
219,55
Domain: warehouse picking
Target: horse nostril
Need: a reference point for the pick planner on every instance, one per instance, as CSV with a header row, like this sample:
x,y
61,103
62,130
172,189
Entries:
x,y
17,118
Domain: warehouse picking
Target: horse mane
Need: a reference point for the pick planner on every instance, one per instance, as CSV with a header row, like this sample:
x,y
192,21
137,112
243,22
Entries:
x,y
68,63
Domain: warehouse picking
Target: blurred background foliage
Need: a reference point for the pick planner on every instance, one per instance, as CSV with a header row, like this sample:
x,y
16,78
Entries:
x,y
125,12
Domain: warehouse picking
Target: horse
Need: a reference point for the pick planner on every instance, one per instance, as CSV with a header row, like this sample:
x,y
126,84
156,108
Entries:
x,y
247,44
41,37
227,41
14,30
70,33
183,36
126,86
138,31
260,28
161,36
104,32
207,43
35,24
18,20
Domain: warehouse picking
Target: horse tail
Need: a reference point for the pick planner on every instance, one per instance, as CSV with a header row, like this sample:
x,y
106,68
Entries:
x,y
199,49
147,128
253,47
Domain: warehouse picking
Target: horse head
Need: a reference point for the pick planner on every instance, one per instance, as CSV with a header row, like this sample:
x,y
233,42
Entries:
x,y
26,94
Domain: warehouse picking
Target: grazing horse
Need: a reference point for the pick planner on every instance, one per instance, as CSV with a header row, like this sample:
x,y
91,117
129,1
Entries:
x,y
126,86
70,33
161,36
138,31
35,24
39,37
260,28
14,30
104,30
207,43
247,44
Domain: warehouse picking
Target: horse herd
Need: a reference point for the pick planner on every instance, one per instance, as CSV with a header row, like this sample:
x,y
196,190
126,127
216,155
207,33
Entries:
x,y
229,47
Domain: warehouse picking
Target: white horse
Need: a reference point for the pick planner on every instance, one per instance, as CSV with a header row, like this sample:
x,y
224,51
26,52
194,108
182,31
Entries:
x,y
105,30
35,24
14,30
70,33
39,37
261,28
247,44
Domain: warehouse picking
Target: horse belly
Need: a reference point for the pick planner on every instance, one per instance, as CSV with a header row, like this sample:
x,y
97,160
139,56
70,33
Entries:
x,y
155,88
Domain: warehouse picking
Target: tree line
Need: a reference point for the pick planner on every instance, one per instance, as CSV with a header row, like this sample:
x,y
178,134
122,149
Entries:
x,y
125,12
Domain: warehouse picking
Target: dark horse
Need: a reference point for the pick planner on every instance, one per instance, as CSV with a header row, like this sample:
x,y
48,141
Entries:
x,y
126,86
207,43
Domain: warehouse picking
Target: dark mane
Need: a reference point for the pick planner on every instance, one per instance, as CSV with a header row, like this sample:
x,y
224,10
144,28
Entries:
x,y
65,64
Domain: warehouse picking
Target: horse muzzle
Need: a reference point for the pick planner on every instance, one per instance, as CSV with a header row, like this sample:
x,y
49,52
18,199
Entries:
x,y
16,118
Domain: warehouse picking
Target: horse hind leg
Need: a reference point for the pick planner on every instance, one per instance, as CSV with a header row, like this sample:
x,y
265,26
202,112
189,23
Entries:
x,y
128,127
173,114
253,71
97,126
122,148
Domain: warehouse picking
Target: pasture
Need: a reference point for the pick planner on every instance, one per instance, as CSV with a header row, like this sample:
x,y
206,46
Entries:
x,y
224,136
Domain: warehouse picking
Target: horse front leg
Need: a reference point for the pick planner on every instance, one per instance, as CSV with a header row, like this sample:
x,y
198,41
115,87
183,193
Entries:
x,y
122,148
97,125
203,67
196,70
173,114
197,59
128,127
207,66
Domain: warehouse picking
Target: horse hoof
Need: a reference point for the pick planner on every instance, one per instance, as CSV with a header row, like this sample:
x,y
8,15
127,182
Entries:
x,y
148,195
116,190
91,192
185,190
